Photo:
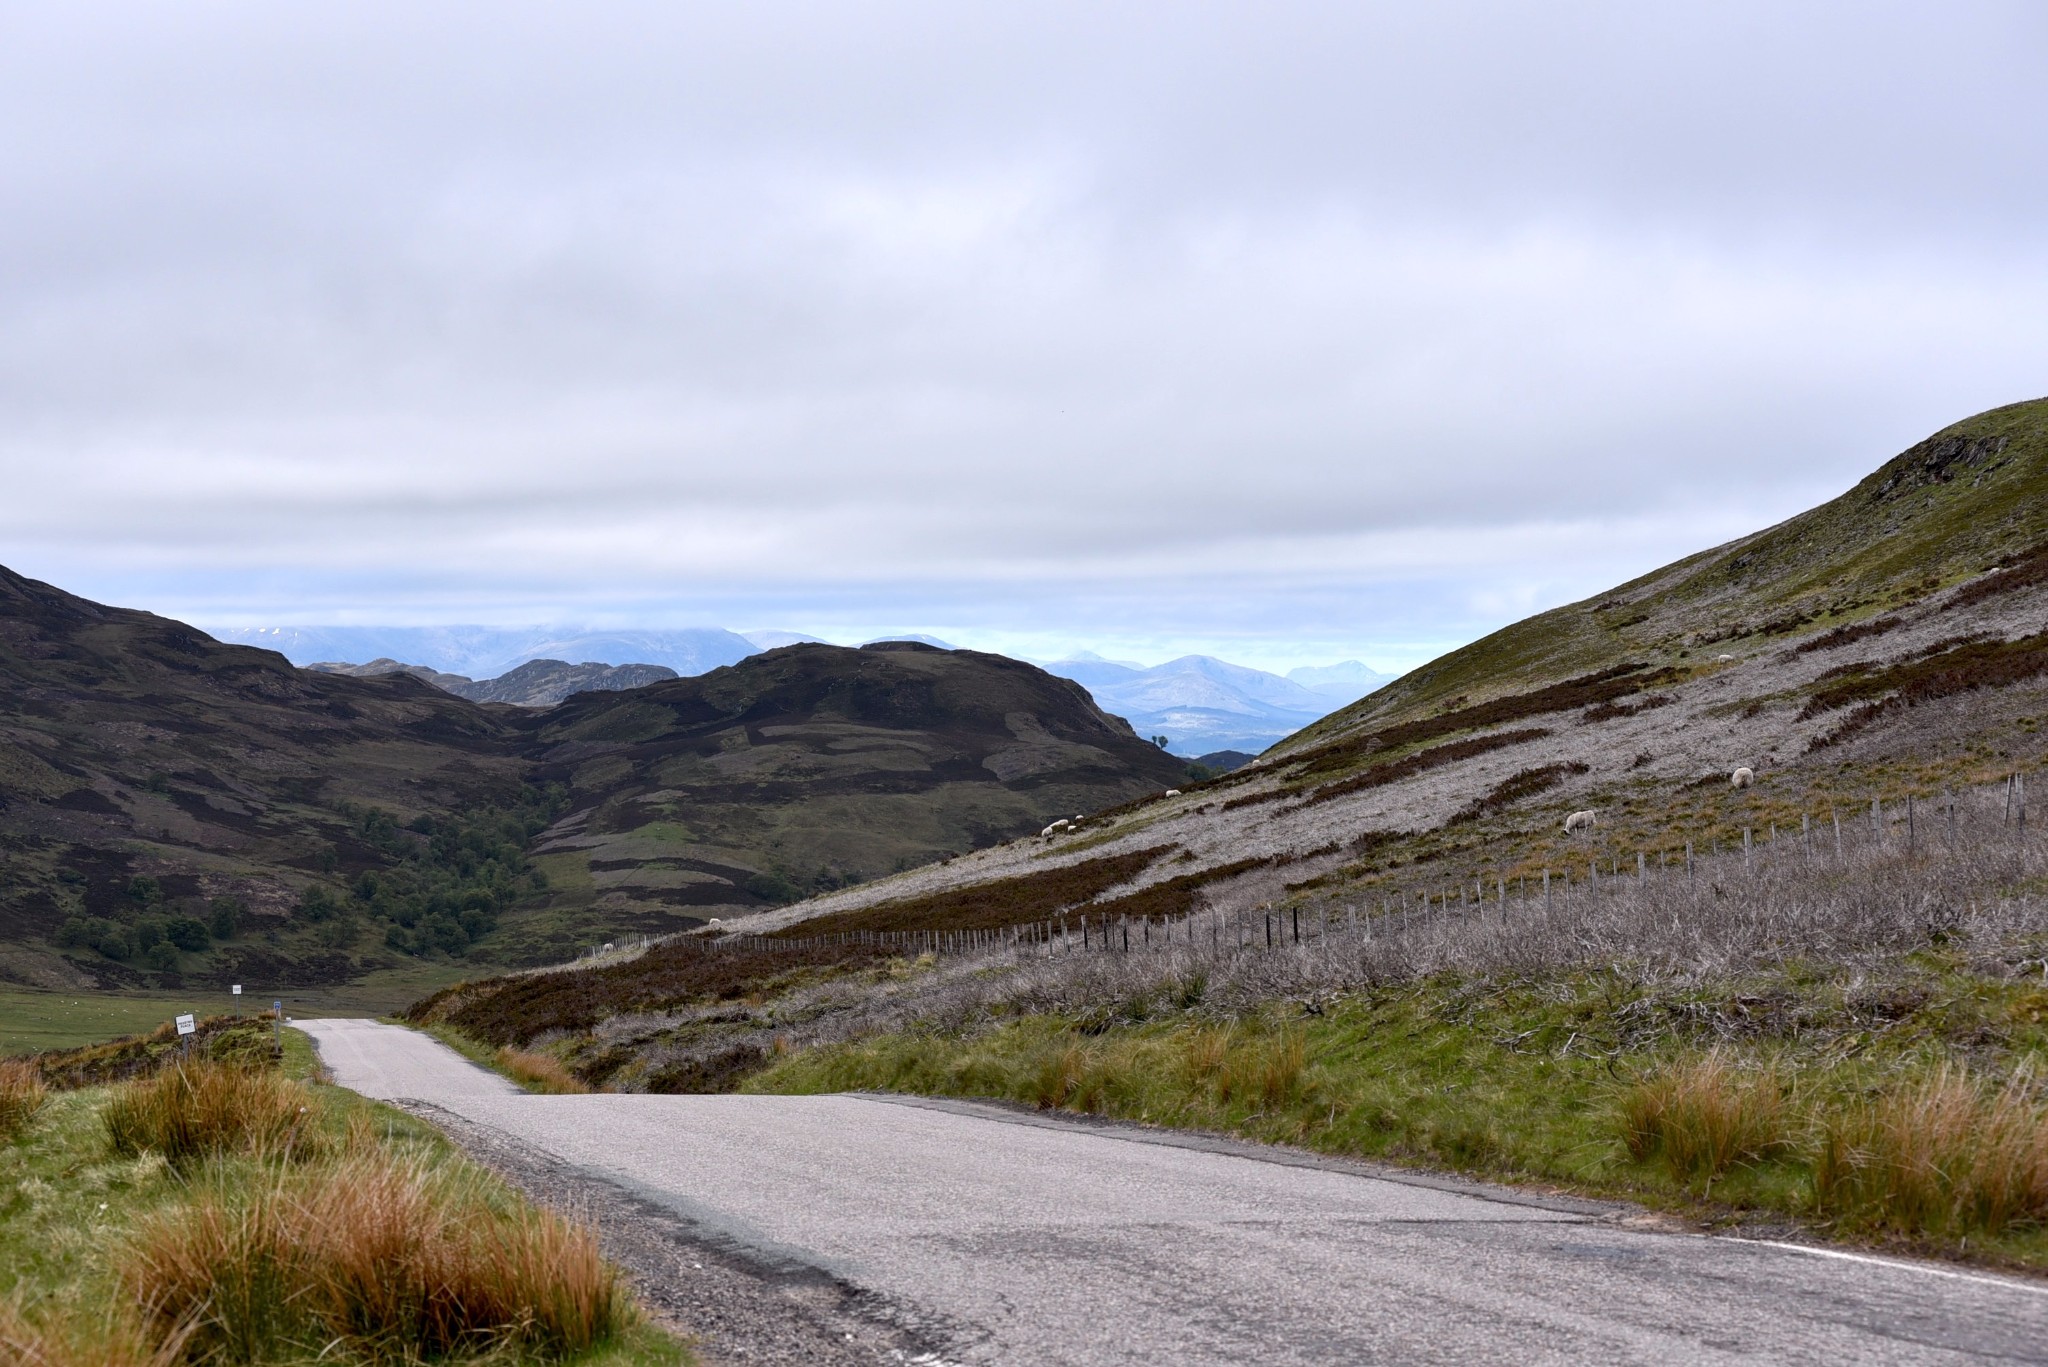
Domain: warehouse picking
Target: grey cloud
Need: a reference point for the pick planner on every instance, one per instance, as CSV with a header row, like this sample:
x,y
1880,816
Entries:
x,y
1203,316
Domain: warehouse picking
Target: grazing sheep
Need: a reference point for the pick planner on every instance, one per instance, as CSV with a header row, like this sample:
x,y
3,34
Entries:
x,y
1580,821
1724,657
1050,831
1742,777
1172,792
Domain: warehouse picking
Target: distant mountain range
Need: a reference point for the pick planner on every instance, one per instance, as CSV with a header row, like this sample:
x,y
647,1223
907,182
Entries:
x,y
1201,704
486,652
537,683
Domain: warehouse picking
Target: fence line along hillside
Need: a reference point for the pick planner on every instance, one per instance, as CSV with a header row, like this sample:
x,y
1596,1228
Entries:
x,y
1846,889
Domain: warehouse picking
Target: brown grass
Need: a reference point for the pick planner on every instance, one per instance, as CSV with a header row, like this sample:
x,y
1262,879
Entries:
x,y
1513,789
1705,1116
200,1109
384,1259
1587,690
542,1072
113,1340
1959,669
1060,1078
1003,902
1265,1071
1849,635
22,1094
1945,1156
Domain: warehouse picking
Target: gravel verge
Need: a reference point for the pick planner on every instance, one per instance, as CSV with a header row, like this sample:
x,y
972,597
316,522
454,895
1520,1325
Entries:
x,y
732,1304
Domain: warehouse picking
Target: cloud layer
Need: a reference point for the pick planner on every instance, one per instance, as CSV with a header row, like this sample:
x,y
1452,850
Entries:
x,y
1284,332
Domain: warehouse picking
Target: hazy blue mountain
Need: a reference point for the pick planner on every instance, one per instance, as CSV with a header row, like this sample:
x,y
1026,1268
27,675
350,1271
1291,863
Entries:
x,y
486,652
1346,682
1199,703
1091,671
537,683
771,640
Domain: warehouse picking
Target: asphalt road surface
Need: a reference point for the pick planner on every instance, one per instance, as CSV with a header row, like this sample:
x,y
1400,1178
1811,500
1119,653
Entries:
x,y
1003,1237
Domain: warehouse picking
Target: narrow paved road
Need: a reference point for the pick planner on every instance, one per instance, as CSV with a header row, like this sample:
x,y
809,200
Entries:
x,y
1005,1238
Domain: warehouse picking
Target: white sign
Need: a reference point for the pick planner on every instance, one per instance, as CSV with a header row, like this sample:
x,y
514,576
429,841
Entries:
x,y
236,989
186,1026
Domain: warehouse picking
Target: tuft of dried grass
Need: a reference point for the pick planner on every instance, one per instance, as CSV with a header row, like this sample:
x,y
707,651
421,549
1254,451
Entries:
x,y
1704,1116
389,1259
1205,1053
22,1094
543,1072
202,1108
1272,1072
113,1340
1944,1156
1059,1077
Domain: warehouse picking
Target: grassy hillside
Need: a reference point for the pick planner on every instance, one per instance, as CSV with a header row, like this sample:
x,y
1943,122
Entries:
x,y
814,767
177,815
1809,1001
1940,512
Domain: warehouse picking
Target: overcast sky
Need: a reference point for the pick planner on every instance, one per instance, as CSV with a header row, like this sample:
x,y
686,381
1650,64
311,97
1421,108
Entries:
x,y
1285,333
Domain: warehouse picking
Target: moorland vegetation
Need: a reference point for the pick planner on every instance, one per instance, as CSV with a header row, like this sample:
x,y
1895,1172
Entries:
x,y
216,1204
1814,1004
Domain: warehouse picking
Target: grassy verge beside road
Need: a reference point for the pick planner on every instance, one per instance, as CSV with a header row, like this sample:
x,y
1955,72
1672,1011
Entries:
x,y
1903,1112
226,1208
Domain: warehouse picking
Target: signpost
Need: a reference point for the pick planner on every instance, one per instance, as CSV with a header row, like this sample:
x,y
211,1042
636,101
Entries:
x,y
236,989
187,1027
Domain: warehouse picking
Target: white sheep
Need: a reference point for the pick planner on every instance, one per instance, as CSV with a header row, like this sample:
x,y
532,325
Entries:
x,y
1580,821
1742,777
1172,792
1050,831
1724,657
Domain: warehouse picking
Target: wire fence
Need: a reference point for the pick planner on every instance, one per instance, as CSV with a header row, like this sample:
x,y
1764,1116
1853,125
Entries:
x,y
1777,873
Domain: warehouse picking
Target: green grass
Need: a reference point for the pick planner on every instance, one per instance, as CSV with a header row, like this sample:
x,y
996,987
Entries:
x,y
1898,536
33,1019
72,1209
1527,1082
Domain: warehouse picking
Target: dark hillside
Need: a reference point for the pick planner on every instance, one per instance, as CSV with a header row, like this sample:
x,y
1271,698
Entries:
x,y
175,812
166,800
816,766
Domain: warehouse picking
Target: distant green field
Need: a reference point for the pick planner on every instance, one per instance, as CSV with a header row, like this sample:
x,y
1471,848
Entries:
x,y
32,1019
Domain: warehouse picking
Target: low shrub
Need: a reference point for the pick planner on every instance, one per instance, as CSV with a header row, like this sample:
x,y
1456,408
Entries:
x,y
381,1259
113,1340
21,1095
1060,1077
1704,1116
543,1072
1944,1156
1268,1072
196,1110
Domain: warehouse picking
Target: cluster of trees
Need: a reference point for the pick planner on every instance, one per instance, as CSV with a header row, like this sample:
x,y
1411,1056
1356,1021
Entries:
x,y
154,937
445,882
449,876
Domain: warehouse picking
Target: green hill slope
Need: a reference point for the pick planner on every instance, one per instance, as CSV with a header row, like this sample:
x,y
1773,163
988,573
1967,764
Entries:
x,y
1891,642
1945,510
